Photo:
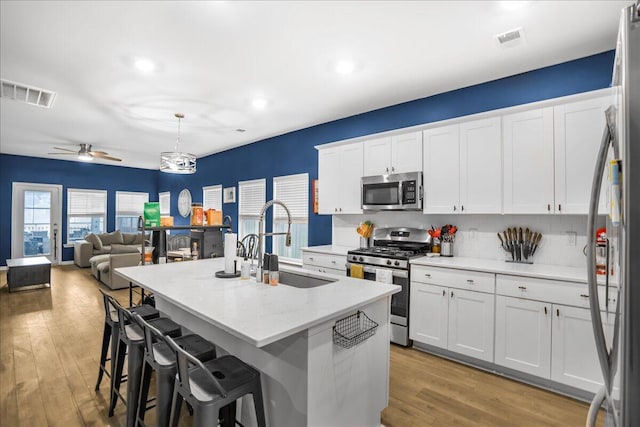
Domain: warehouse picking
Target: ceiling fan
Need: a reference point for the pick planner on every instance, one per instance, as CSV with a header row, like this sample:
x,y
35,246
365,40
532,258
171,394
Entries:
x,y
86,154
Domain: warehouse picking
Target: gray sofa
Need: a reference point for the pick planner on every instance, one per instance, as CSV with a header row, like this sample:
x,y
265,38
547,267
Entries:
x,y
100,244
103,266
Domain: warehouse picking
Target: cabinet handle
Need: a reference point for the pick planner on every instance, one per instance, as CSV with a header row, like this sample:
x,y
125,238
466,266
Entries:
x,y
310,258
522,288
548,208
584,295
393,169
559,208
340,209
333,261
558,312
454,208
470,281
444,292
387,169
545,310
335,209
451,294
462,208
427,275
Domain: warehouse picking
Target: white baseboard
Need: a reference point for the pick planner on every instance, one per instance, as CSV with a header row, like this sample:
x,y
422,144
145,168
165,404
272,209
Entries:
x,y
3,268
65,262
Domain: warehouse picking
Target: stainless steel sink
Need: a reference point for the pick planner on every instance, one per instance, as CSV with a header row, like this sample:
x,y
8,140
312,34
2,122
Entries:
x,y
303,280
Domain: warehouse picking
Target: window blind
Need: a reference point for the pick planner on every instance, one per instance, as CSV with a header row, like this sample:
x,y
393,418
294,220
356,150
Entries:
x,y
86,202
212,197
252,196
293,191
165,203
130,203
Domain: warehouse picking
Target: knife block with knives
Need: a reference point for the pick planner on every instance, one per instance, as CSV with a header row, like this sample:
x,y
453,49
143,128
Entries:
x,y
521,246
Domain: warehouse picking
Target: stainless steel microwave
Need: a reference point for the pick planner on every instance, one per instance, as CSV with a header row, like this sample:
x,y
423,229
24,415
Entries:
x,y
395,192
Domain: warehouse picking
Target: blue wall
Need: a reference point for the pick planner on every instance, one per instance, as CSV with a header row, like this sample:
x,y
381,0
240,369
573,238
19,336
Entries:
x,y
69,175
293,152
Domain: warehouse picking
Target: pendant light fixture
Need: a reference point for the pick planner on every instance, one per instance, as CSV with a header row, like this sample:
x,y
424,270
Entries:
x,y
176,161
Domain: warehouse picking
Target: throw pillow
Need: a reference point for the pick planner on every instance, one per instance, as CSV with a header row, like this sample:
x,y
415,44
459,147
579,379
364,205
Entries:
x,y
128,238
111,238
94,239
117,248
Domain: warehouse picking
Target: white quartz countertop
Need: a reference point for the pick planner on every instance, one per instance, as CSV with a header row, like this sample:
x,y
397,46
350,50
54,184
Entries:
x,y
329,249
255,312
541,271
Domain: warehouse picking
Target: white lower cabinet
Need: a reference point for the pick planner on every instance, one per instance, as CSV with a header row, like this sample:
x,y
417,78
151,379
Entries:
x,y
523,335
471,323
453,319
324,263
429,314
574,360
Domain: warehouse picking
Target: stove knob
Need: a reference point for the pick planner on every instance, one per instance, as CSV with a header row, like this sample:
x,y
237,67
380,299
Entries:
x,y
389,262
396,263
360,259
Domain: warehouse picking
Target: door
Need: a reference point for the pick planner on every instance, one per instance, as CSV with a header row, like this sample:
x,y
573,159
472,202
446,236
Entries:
x,y
349,174
441,169
523,335
429,314
36,221
328,176
471,323
481,166
377,156
574,360
578,130
528,162
406,153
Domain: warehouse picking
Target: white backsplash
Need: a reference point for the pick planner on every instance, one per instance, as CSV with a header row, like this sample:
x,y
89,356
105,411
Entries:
x,y
476,236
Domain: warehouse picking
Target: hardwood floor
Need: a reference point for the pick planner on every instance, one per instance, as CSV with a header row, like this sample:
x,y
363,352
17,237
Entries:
x,y
49,350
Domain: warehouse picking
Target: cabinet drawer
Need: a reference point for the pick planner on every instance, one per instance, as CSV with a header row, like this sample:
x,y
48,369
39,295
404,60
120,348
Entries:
x,y
325,270
453,278
336,262
567,293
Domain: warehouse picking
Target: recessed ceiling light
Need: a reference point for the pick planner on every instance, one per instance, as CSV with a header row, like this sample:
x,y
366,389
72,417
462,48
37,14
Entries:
x,y
259,103
513,4
144,65
345,67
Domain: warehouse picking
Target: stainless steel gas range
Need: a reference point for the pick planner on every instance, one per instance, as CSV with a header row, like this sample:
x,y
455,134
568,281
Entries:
x,y
391,251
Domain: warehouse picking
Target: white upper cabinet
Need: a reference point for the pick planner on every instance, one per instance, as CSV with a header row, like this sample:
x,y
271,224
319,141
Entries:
x,y
406,153
578,129
528,161
441,176
393,154
339,173
377,156
480,166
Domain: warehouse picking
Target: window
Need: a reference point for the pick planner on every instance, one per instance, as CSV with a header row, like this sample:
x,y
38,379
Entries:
x,y
86,213
165,203
293,191
212,197
251,197
129,206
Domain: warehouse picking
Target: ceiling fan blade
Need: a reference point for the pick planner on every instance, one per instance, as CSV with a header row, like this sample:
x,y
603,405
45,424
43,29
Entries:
x,y
65,154
98,153
115,159
66,149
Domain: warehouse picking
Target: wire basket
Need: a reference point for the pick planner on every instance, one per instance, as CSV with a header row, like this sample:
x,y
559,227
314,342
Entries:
x,y
353,330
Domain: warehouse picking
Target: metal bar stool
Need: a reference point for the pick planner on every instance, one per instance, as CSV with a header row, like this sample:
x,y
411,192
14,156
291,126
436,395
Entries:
x,y
213,385
159,357
131,338
111,332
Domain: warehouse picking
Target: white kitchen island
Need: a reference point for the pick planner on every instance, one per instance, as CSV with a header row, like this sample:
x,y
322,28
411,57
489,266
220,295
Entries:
x,y
287,334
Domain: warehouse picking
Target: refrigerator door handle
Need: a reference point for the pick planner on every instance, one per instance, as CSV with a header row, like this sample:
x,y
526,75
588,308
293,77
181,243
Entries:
x,y
594,303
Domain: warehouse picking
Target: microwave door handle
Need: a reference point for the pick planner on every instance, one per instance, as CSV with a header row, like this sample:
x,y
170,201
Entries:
x,y
400,193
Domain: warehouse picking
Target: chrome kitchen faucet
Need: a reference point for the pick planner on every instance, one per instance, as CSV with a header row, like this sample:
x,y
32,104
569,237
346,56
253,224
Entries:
x,y
262,234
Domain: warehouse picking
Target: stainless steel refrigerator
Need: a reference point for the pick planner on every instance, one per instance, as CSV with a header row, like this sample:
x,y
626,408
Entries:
x,y
619,162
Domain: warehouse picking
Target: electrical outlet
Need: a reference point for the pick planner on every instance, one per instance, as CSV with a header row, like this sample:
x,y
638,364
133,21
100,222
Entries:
x,y
572,238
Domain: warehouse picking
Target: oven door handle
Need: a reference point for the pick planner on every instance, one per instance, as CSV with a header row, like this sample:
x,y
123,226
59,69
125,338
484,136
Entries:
x,y
403,274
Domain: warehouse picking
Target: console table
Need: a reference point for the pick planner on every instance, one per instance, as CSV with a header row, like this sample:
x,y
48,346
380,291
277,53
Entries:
x,y
23,272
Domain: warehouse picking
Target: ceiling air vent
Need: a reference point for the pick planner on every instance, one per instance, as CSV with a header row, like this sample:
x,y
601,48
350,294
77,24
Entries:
x,y
510,38
27,94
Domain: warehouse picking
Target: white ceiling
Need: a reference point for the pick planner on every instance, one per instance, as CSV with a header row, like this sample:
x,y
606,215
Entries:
x,y
213,58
